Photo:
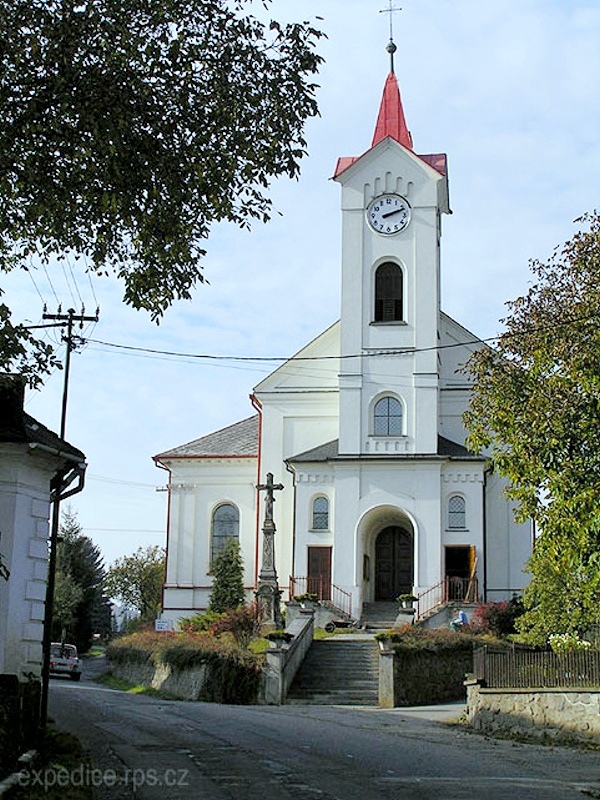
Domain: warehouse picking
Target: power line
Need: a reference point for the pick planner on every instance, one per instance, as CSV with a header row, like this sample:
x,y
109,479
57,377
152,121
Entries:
x,y
121,482
126,530
30,273
369,354
51,285
74,279
88,272
283,359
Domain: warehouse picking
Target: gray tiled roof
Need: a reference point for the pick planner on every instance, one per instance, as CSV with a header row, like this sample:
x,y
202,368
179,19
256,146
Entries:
x,y
30,431
18,427
239,439
324,452
448,448
330,452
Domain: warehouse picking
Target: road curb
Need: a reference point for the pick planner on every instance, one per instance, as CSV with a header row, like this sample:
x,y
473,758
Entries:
x,y
24,760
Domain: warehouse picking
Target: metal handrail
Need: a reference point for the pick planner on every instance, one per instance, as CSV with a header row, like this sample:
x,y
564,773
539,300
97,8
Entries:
x,y
326,592
448,590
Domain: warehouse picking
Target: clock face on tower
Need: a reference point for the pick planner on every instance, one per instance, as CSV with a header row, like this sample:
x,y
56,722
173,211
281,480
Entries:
x,y
388,213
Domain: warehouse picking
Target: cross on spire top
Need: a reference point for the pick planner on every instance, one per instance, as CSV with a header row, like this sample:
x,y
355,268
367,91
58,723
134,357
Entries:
x,y
391,47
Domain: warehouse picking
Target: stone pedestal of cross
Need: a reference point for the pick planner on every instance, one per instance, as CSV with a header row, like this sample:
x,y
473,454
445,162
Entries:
x,y
268,594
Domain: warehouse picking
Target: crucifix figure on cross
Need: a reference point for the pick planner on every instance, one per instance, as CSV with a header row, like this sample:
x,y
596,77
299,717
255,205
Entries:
x,y
269,487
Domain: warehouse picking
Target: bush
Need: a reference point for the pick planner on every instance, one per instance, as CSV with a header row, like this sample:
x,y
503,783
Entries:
x,y
137,648
497,619
199,623
567,643
433,640
242,623
228,578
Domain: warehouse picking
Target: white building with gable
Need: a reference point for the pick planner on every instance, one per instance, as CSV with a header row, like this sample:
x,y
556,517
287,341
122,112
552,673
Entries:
x,y
381,497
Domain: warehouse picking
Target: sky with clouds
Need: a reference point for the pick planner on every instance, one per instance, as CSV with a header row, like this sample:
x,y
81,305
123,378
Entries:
x,y
509,90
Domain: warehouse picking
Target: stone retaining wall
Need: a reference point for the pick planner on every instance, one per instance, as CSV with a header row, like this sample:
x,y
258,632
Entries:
x,y
210,681
570,715
422,677
185,684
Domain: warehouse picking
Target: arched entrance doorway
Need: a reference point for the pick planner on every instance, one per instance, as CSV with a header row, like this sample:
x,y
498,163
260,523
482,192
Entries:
x,y
394,563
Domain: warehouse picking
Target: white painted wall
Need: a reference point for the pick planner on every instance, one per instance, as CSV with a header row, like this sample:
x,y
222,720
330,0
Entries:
x,y
24,513
198,486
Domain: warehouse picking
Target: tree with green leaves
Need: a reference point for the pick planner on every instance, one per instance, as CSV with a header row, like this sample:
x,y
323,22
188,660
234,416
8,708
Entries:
x,y
129,128
536,410
79,578
136,581
228,578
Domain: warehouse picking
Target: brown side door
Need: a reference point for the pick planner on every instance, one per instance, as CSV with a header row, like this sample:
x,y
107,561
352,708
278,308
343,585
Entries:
x,y
319,572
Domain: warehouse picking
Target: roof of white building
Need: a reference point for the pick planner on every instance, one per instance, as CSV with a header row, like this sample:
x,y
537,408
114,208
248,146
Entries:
x,y
239,439
18,427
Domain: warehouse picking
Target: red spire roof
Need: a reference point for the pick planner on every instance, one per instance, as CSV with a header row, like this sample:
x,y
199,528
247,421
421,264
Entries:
x,y
390,121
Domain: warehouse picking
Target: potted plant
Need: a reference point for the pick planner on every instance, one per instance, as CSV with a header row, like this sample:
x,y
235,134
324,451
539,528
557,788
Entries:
x,y
307,600
406,600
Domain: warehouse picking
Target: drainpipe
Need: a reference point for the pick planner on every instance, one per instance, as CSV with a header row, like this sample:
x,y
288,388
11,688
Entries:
x,y
487,471
257,405
168,532
292,472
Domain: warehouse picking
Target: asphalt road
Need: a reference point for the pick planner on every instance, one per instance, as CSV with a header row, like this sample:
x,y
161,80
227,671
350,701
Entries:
x,y
147,748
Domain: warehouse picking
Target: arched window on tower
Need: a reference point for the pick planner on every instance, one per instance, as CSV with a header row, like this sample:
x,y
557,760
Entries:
x,y
388,293
457,512
320,514
388,417
225,525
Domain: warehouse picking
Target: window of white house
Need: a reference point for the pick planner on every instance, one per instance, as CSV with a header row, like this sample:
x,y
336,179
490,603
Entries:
x,y
388,293
457,512
387,417
320,514
225,525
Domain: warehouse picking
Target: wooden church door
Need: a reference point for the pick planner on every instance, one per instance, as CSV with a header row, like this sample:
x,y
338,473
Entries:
x,y
393,563
319,572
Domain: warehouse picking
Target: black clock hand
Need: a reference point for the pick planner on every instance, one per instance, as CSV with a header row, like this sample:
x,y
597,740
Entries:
x,y
391,213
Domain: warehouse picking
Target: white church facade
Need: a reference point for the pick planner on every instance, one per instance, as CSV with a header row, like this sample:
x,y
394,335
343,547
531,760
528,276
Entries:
x,y
380,495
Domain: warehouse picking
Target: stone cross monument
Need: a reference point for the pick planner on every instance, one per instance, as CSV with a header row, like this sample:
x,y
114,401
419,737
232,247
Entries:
x,y
268,594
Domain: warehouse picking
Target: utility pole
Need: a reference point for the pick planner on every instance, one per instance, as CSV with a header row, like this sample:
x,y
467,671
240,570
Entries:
x,y
57,494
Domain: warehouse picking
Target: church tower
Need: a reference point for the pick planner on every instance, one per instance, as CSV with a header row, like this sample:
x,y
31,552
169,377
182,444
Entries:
x,y
392,202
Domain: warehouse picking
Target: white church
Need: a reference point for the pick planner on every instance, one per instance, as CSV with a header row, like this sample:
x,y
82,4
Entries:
x,y
380,495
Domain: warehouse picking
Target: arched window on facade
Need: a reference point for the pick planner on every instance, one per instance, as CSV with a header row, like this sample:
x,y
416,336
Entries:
x,y
225,525
457,512
320,514
387,417
388,293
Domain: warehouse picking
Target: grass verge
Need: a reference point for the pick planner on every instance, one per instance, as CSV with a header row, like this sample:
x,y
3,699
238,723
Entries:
x,y
112,682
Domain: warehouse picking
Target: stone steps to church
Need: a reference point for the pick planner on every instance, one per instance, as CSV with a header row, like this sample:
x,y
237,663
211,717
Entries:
x,y
338,673
380,615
